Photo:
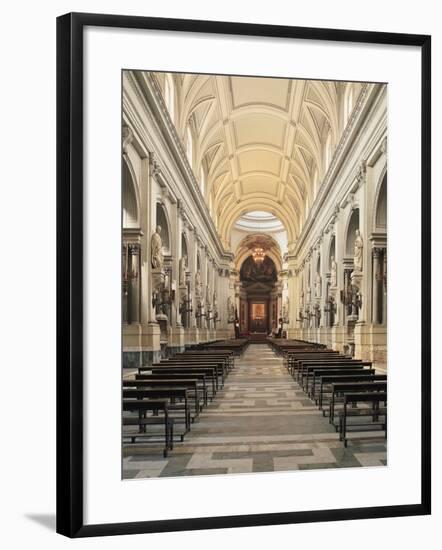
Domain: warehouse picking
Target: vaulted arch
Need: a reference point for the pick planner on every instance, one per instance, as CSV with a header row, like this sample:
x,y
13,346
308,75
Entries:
x,y
130,197
256,139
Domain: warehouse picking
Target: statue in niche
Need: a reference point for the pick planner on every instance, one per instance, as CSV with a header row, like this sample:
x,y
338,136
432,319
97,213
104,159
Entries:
x,y
318,285
198,283
215,299
301,300
359,246
207,295
309,293
231,309
156,249
334,272
183,268
157,302
317,314
285,310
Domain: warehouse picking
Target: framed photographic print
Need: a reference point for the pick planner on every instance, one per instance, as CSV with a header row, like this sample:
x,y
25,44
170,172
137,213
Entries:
x,y
237,291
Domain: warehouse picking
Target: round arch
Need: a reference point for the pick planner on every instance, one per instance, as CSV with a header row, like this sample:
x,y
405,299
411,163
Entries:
x,y
130,198
350,234
162,219
184,246
246,254
258,203
380,210
331,250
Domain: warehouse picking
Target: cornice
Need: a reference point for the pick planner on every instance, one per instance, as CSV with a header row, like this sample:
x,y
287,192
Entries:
x,y
149,93
365,101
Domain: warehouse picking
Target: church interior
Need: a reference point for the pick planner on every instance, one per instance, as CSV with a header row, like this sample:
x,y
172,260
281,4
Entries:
x,y
254,274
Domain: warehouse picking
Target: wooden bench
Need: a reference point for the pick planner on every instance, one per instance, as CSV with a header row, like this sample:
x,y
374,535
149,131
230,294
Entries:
x,y
167,393
375,398
315,372
200,380
194,394
219,374
340,389
290,357
297,365
326,381
309,369
208,372
153,405
226,356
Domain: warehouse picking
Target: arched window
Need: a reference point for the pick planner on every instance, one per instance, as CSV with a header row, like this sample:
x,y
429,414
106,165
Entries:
x,y
169,93
348,102
189,145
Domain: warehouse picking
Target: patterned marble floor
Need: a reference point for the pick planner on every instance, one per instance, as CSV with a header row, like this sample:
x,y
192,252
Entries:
x,y
260,422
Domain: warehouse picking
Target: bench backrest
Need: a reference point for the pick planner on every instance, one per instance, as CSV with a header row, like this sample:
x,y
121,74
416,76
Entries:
x,y
362,375
151,404
178,376
348,371
359,397
359,386
154,392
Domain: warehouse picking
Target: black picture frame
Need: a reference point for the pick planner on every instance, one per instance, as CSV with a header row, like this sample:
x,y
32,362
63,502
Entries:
x,y
70,272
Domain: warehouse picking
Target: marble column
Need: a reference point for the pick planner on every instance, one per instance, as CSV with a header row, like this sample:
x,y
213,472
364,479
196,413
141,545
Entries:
x,y
124,283
384,288
134,282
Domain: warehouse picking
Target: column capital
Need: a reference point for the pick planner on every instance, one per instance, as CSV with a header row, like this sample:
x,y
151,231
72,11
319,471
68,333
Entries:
x,y
377,251
134,249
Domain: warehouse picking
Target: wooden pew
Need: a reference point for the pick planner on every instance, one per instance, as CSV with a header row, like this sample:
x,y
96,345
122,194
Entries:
x,y
237,346
375,398
209,373
200,379
330,370
194,392
325,382
166,393
291,357
339,389
306,368
153,405
218,368
298,364
226,360
295,363
315,371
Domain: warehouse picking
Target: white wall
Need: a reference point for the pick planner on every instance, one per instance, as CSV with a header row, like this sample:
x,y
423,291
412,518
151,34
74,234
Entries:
x,y
28,292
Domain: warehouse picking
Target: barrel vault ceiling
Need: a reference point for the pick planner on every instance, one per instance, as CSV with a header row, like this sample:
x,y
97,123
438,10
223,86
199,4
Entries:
x,y
259,141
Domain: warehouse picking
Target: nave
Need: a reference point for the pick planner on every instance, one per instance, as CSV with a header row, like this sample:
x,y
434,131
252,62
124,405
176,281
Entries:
x,y
254,241
260,421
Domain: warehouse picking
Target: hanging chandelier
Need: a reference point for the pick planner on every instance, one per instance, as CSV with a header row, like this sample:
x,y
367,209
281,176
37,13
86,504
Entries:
x,y
258,255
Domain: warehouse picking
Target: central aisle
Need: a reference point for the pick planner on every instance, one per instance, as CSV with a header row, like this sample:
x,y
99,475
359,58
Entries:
x,y
260,422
